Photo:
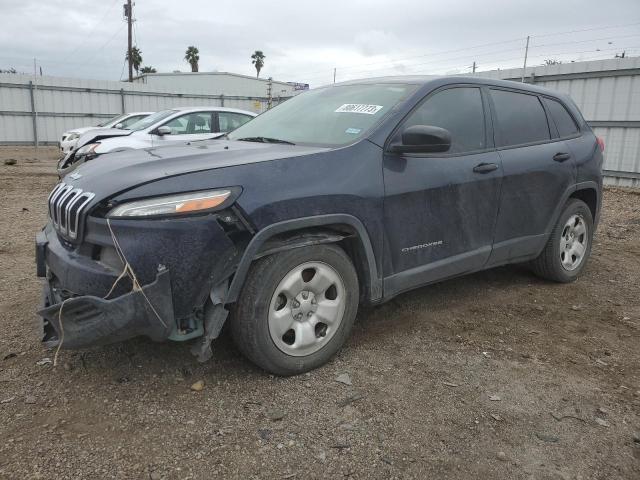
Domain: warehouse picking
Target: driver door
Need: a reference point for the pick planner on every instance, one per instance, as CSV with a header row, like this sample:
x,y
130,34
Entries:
x,y
440,209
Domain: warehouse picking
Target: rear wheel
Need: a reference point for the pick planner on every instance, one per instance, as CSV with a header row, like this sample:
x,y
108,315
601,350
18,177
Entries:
x,y
296,309
569,246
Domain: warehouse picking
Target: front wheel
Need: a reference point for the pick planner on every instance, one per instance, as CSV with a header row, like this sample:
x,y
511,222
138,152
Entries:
x,y
569,246
296,309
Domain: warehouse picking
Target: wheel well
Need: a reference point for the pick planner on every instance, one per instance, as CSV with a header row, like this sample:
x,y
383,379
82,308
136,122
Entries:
x,y
342,235
588,196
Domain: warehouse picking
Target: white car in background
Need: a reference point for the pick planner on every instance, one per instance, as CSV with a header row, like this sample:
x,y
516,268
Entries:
x,y
167,127
71,137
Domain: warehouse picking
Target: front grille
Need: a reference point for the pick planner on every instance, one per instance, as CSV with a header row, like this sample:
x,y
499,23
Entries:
x,y
65,208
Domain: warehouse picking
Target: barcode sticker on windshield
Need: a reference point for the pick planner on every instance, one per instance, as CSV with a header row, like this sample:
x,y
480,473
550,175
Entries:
x,y
359,108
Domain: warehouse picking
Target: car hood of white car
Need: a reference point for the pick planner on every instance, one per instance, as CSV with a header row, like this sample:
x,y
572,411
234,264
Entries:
x,y
100,133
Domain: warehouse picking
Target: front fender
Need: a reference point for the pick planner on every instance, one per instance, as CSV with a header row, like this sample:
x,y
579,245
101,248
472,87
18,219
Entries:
x,y
254,248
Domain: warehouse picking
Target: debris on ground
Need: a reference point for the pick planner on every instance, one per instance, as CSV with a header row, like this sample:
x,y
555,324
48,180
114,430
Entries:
x,y
275,414
344,378
198,386
547,438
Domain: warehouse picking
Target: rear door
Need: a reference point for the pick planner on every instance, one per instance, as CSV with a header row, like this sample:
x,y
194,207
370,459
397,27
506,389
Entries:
x,y
538,169
229,121
440,209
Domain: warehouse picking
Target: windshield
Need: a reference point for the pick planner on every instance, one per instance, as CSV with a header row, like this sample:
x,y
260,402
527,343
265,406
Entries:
x,y
112,121
150,120
330,116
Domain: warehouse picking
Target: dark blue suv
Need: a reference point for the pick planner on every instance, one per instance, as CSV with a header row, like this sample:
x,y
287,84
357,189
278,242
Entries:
x,y
347,194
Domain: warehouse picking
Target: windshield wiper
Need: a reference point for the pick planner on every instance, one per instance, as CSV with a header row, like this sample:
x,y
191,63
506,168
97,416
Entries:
x,y
265,140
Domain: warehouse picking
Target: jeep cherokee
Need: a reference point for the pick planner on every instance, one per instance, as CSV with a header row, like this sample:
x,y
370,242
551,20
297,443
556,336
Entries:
x,y
345,195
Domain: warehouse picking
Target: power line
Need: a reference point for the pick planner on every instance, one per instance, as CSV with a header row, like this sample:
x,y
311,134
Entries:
x,y
522,39
456,63
586,30
472,56
590,40
93,29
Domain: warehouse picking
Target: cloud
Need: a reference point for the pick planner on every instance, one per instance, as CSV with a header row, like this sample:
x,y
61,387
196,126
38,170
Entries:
x,y
305,41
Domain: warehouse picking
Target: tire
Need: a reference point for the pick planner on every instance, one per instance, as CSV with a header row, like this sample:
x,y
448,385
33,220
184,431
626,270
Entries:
x,y
289,288
557,262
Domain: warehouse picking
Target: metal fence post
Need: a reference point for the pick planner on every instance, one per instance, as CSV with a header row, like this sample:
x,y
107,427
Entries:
x,y
122,100
34,114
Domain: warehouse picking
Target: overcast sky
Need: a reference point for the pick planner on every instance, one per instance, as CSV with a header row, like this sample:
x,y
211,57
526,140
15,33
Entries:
x,y
303,41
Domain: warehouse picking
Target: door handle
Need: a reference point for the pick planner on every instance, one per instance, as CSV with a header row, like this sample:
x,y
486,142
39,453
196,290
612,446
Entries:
x,y
561,157
485,167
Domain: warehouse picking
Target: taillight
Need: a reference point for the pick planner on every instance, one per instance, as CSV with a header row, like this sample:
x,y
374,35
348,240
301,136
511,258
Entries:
x,y
600,143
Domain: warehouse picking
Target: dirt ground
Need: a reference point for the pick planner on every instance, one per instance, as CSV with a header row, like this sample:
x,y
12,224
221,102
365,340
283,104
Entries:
x,y
494,375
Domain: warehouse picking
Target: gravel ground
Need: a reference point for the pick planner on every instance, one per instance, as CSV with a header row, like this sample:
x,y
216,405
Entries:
x,y
494,375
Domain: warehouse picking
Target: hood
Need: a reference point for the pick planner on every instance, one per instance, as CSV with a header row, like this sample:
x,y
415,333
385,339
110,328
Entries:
x,y
114,173
80,131
94,134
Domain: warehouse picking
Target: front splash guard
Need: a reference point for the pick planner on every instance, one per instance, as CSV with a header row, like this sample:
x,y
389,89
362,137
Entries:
x,y
89,320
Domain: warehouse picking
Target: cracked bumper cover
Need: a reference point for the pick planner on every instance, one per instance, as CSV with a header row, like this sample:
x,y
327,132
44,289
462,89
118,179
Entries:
x,y
89,320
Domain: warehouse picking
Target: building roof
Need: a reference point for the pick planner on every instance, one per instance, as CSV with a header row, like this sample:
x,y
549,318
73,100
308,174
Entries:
x,y
229,74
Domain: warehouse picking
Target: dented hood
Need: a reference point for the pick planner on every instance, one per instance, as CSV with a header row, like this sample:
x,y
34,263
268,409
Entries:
x,y
99,133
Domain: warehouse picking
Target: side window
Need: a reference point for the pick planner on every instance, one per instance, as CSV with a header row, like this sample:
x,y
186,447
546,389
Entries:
x,y
191,123
230,121
458,110
562,118
132,120
521,118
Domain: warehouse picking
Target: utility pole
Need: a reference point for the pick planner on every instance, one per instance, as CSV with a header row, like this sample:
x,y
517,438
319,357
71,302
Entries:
x,y
526,53
473,67
269,94
128,12
334,75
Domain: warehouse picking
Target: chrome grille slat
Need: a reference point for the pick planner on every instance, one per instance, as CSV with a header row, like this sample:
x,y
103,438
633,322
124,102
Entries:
x,y
66,191
66,205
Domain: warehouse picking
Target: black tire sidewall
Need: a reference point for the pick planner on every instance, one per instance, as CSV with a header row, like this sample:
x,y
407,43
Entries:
x,y
250,327
573,207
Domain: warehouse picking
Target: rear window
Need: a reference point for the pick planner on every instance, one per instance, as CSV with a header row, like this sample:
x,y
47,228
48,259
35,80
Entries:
x,y
521,118
562,118
458,110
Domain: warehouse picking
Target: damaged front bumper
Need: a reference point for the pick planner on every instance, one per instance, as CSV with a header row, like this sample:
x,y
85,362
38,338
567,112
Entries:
x,y
86,320
86,304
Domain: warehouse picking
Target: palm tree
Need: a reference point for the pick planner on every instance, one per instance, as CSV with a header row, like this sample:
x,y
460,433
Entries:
x,y
258,60
136,58
192,56
148,70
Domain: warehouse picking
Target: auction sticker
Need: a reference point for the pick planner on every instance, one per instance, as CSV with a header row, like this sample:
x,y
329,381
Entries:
x,y
359,108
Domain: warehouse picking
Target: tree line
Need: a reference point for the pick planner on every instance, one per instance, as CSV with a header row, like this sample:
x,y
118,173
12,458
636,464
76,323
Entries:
x,y
192,57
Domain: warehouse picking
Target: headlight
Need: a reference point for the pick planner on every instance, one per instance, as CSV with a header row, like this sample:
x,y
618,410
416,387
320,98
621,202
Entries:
x,y
172,204
88,149
73,136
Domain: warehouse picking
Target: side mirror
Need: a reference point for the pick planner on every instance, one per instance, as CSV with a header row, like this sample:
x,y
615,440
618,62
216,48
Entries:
x,y
118,125
424,139
163,130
